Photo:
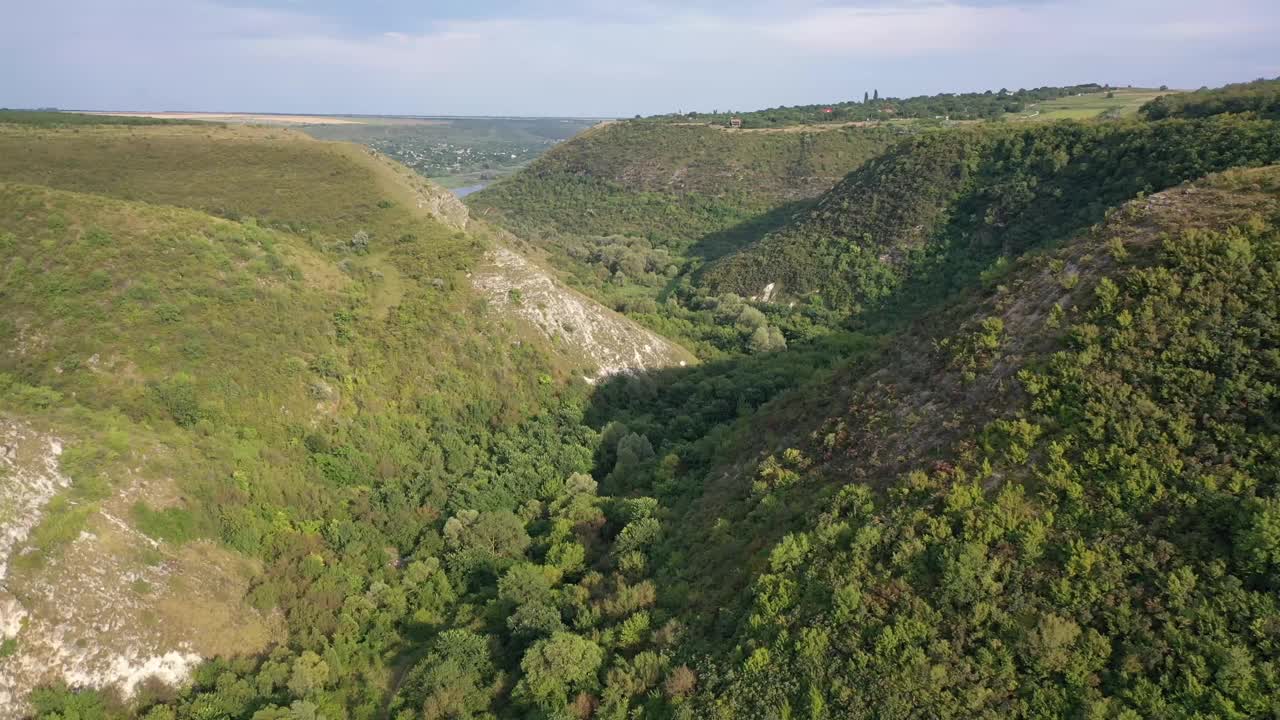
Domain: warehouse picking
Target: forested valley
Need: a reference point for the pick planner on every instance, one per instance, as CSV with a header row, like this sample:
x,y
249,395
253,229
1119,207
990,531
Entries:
x,y
985,421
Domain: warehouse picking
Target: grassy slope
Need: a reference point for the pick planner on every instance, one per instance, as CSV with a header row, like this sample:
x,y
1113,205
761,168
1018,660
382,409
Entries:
x,y
279,177
622,178
272,373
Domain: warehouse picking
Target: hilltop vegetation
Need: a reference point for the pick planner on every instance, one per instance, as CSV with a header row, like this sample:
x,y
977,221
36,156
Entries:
x,y
988,105
1260,97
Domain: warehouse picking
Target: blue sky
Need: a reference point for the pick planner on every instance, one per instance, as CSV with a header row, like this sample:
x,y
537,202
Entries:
x,y
595,58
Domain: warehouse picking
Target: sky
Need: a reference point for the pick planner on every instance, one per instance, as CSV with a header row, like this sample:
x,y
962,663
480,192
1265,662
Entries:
x,y
593,58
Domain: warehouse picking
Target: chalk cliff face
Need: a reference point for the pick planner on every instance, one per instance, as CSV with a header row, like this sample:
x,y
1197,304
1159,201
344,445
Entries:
x,y
588,331
112,608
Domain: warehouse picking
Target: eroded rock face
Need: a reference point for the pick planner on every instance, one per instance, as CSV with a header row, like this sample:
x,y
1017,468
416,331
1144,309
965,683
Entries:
x,y
443,204
110,608
29,478
610,342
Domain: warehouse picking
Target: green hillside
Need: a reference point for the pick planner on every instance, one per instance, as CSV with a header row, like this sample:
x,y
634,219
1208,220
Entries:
x,y
1103,104
630,210
975,195
1026,510
671,185
321,387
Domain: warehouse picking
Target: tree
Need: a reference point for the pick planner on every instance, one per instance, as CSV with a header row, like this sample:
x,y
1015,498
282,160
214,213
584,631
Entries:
x,y
299,710
310,673
452,680
633,451
766,339
751,318
524,583
535,619
555,667
680,682
500,533
865,97
1259,543
876,95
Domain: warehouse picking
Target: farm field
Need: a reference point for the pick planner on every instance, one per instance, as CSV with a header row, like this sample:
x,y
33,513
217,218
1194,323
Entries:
x,y
252,118
1115,103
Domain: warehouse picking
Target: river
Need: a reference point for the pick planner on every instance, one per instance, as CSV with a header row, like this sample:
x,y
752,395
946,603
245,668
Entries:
x,y
465,191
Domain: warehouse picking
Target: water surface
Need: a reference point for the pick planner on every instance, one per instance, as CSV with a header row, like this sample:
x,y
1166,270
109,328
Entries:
x,y
465,191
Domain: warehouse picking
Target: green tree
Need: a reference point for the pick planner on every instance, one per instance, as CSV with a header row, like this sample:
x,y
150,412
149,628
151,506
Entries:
x,y
534,620
451,681
554,667
766,339
500,533
310,674
1259,542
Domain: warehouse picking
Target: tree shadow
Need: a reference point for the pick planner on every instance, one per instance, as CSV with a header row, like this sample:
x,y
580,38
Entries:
x,y
709,248
713,246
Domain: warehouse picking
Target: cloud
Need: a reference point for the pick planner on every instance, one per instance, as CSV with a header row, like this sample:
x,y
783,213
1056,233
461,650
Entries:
x,y
893,32
605,58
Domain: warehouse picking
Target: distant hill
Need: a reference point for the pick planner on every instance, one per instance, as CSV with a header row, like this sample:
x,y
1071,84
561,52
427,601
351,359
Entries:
x,y
55,118
989,105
